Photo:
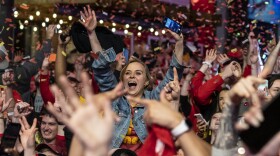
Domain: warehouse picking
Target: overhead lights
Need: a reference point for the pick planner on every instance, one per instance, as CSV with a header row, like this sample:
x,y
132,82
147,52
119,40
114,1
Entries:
x,y
38,13
21,26
113,29
163,31
47,19
152,29
54,15
31,17
139,27
139,34
60,21
35,29
58,26
127,26
43,24
113,24
125,31
26,22
156,33
70,18
16,14
101,21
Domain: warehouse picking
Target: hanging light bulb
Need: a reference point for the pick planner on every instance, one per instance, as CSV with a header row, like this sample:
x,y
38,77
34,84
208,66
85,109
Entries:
x,y
58,26
113,24
113,29
60,21
59,31
139,34
163,31
101,21
26,22
152,29
139,27
38,13
43,24
21,26
16,14
47,19
35,29
31,17
156,33
70,18
54,15
125,31
127,26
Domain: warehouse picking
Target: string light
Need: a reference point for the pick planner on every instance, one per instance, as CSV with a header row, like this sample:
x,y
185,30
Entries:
x,y
125,31
101,21
43,24
54,15
59,31
113,29
31,17
26,22
70,18
60,21
113,24
163,31
139,34
38,13
21,26
47,19
35,29
156,33
16,14
139,27
58,26
127,26
152,29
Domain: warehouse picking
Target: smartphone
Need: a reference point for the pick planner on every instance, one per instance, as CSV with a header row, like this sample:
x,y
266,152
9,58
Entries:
x,y
126,54
172,25
52,57
10,136
256,138
199,117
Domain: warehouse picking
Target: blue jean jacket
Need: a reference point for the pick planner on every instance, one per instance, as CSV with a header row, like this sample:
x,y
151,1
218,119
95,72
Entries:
x,y
106,80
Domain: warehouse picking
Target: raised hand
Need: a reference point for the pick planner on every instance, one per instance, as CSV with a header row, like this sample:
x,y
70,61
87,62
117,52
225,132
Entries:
x,y
83,118
172,89
159,112
8,77
3,103
22,109
50,31
246,88
18,57
176,36
222,58
27,134
211,55
89,19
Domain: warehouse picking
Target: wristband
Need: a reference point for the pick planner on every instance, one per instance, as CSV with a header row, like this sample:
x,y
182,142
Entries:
x,y
180,129
207,63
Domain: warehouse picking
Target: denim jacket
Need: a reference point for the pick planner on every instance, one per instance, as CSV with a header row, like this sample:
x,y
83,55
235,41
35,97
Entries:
x,y
107,81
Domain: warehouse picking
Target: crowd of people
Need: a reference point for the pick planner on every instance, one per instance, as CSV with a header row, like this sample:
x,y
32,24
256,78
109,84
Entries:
x,y
99,103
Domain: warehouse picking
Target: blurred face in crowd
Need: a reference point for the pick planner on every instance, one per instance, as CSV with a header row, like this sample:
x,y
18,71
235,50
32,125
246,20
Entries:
x,y
222,99
135,79
215,121
275,88
49,128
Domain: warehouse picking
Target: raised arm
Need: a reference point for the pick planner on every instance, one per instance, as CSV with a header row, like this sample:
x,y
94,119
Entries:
x,y
103,74
271,61
175,62
60,63
227,138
